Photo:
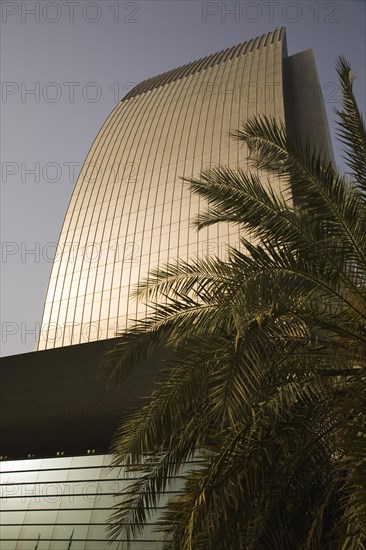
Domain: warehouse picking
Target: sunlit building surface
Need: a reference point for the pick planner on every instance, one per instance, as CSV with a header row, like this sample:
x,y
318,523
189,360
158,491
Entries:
x,y
130,210
65,503
59,503
129,213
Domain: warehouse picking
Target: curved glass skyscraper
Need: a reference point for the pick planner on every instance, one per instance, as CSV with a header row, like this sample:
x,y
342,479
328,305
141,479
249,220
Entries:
x,y
130,210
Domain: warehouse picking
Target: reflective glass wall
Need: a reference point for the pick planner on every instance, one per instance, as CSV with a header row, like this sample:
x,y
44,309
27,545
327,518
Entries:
x,y
65,504
130,210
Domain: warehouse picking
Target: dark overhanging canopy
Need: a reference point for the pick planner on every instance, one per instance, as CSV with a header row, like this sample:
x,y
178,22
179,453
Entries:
x,y
57,401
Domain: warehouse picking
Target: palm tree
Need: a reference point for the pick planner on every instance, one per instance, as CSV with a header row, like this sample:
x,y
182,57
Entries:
x,y
265,360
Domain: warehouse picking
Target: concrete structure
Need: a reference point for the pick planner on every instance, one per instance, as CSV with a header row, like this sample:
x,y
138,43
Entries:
x,y
129,213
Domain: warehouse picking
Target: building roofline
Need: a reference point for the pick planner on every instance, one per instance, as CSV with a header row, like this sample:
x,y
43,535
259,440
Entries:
x,y
208,61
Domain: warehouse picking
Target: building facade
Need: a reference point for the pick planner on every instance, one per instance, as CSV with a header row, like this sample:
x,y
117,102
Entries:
x,y
129,213
130,210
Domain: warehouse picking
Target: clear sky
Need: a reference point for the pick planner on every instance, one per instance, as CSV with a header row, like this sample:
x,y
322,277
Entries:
x,y
65,64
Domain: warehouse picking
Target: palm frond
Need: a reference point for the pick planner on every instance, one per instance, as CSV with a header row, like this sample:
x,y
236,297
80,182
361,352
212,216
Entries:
x,y
315,186
352,132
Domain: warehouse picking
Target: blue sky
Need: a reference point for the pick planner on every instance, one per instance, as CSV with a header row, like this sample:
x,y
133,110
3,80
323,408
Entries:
x,y
65,64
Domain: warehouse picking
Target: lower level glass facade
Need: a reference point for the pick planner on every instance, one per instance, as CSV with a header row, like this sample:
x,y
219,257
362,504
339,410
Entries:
x,y
65,503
